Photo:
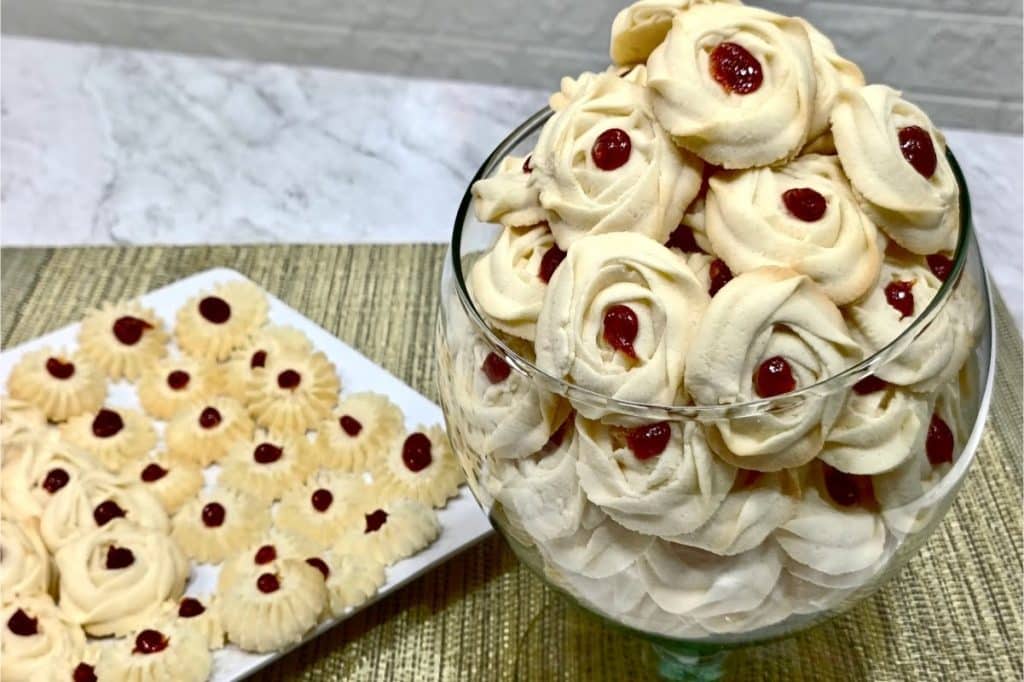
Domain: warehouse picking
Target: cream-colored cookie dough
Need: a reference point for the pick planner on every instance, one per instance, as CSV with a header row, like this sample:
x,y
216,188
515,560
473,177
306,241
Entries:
x,y
322,509
359,430
420,467
117,436
36,639
218,523
174,384
293,392
168,652
351,581
201,614
59,383
25,568
203,433
509,196
174,481
123,339
389,532
267,467
40,469
268,342
276,544
215,323
642,26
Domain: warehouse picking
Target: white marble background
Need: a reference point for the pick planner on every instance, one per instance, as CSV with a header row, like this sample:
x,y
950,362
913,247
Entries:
x,y
106,145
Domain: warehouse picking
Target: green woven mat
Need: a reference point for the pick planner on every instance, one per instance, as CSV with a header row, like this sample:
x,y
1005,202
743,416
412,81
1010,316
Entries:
x,y
953,613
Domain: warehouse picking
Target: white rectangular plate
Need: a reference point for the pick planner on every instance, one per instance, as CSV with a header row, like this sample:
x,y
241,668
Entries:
x,y
462,522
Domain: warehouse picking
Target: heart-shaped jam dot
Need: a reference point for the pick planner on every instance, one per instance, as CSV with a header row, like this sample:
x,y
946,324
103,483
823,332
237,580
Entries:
x,y
128,330
107,511
900,295
805,204
259,359
870,384
527,168
552,258
107,424
719,275
350,425
152,473
495,368
620,329
119,557
215,310
416,452
268,583
918,149
649,440
940,266
264,555
83,673
58,369
320,565
55,480
321,499
289,379
213,515
939,443
611,149
178,379
190,608
682,238
150,642
209,418
375,520
266,453
735,69
22,624
774,377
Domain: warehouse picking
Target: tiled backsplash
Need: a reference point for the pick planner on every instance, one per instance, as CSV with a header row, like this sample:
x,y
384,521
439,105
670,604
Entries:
x,y
959,59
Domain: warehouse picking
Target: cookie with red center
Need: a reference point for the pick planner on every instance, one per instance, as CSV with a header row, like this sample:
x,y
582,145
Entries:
x,y
37,638
421,466
320,510
204,432
219,523
386,532
351,580
266,344
275,545
60,384
362,425
267,466
174,384
217,322
173,480
161,650
114,435
42,468
293,392
124,339
199,613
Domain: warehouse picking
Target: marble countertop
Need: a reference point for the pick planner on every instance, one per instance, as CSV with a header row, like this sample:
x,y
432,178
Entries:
x,y
105,145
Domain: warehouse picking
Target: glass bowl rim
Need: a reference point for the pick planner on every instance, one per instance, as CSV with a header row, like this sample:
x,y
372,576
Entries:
x,y
826,386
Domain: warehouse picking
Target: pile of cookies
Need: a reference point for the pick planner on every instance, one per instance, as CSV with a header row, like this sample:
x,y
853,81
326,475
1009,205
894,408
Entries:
x,y
243,456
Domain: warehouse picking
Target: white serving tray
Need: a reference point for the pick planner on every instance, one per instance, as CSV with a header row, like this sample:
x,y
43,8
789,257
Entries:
x,y
462,521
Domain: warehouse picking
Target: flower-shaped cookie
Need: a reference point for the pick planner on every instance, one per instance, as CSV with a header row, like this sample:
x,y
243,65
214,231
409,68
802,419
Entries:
x,y
201,614
293,392
214,324
37,639
174,481
389,532
205,432
157,652
174,384
40,470
114,435
218,523
60,384
277,544
360,429
351,580
123,339
420,467
267,466
268,342
322,509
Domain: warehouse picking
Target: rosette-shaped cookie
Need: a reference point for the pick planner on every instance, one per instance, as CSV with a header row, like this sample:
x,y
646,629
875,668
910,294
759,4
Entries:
x,y
642,26
267,466
123,339
94,500
351,580
21,422
509,197
802,216
880,426
389,532
115,436
421,467
904,291
509,280
360,428
172,652
735,85
599,548
36,639
59,384
40,470
199,614
766,333
173,481
618,318
832,74
214,324
219,523
204,433
115,578
320,510
896,160
276,544
658,479
174,384
293,392
603,164
24,563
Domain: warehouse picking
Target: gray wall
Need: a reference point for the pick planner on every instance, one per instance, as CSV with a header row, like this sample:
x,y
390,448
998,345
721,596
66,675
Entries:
x,y
959,59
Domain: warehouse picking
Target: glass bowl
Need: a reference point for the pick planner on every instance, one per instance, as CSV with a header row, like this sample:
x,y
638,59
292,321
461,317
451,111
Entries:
x,y
780,551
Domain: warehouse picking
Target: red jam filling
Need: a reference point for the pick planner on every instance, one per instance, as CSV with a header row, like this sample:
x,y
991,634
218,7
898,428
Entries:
x,y
620,329
83,673
939,443
178,379
190,608
59,369
320,565
774,377
682,238
259,359
495,368
918,149
106,424
215,310
289,379
22,624
350,425
209,418
805,204
119,557
321,499
900,296
107,511
719,275
552,258
150,642
870,384
153,472
268,583
213,515
265,554
940,266
735,69
55,480
649,440
129,330
527,168
846,489
611,149
416,452
375,520
266,453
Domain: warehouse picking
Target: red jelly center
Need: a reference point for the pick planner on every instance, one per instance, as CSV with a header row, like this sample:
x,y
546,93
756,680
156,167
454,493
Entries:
x,y
106,424
83,673
847,489
190,608
129,330
870,384
416,452
682,238
774,377
900,296
804,203
209,418
649,440
59,369
527,168
496,369
267,453
320,565
119,557
289,379
153,472
553,257
719,275
107,511
150,642
735,69
22,624
259,359
215,310
940,266
746,478
321,499
939,444
265,554
55,480
213,515
919,150
268,583
611,149
178,379
620,328
350,425
375,520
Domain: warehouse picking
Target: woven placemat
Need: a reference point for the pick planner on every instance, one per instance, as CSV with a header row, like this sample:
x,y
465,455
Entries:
x,y
953,613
